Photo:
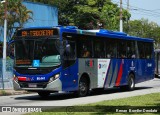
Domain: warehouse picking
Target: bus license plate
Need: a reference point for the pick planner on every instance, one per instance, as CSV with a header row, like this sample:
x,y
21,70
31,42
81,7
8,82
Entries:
x,y
32,85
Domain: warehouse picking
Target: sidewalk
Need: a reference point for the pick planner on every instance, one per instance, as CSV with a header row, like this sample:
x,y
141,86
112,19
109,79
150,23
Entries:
x,y
7,92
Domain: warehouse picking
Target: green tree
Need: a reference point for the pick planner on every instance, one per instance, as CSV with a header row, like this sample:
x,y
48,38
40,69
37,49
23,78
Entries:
x,y
17,15
88,14
143,28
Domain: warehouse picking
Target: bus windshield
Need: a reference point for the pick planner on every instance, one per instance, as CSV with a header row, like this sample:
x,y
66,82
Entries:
x,y
43,50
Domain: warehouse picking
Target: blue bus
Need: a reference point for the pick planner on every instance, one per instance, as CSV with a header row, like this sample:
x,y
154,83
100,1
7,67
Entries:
x,y
53,59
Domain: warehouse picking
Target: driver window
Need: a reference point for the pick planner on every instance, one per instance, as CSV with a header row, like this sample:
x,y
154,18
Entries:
x,y
70,49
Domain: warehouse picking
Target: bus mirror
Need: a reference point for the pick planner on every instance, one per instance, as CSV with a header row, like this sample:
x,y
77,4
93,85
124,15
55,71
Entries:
x,y
10,49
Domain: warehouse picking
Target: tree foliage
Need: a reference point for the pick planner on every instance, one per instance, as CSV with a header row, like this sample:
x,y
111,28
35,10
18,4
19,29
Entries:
x,y
17,15
143,28
95,14
88,14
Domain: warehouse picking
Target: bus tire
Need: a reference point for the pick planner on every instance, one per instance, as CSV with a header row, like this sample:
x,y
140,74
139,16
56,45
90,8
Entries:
x,y
83,87
43,94
131,82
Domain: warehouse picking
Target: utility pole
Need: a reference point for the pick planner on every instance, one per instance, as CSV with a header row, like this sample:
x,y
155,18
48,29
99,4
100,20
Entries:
x,y
121,17
127,17
4,44
128,5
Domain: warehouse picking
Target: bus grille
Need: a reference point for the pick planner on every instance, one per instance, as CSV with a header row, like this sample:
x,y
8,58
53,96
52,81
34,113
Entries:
x,y
38,85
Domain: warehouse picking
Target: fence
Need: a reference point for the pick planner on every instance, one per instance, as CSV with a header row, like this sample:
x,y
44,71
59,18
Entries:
x,y
6,82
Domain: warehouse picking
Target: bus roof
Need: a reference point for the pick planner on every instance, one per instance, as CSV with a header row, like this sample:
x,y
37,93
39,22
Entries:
x,y
114,34
98,32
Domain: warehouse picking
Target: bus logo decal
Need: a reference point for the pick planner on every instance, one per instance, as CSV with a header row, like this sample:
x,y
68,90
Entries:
x,y
102,66
40,78
28,79
89,63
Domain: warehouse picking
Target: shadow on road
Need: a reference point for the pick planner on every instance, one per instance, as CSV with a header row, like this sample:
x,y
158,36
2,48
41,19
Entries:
x,y
65,96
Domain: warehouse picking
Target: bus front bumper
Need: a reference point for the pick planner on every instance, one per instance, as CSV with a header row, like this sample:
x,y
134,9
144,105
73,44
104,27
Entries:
x,y
55,85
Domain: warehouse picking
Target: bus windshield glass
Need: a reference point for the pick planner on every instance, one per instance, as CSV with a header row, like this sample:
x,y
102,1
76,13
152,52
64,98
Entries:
x,y
44,51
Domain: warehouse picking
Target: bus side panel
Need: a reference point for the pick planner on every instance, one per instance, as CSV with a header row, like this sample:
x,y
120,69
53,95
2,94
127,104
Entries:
x,y
103,73
118,71
144,70
89,66
103,66
150,67
129,66
112,73
70,77
140,70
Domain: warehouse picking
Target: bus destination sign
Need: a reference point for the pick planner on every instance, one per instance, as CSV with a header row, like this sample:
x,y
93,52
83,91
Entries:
x,y
39,32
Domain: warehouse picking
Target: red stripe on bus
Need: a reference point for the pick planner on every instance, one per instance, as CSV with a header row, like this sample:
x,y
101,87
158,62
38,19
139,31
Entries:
x,y
119,75
21,78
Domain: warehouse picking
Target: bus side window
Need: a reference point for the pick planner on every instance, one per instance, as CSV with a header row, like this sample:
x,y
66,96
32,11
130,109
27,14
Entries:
x,y
111,48
99,50
85,48
141,50
131,49
69,52
148,50
122,49
86,52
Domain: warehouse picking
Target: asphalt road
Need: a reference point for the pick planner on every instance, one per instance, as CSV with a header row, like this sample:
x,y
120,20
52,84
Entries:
x,y
147,87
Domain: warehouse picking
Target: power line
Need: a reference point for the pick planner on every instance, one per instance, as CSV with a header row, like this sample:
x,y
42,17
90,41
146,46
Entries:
x,y
144,12
137,9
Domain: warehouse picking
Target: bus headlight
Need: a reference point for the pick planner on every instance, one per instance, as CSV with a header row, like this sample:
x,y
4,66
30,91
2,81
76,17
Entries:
x,y
54,78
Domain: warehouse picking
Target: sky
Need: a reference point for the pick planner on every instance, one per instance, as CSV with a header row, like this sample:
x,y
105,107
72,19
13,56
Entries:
x,y
147,9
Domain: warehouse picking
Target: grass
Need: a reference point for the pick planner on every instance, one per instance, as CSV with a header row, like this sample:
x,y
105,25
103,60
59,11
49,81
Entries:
x,y
4,93
12,92
140,102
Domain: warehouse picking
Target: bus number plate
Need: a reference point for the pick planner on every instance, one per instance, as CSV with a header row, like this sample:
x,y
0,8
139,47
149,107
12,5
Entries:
x,y
32,85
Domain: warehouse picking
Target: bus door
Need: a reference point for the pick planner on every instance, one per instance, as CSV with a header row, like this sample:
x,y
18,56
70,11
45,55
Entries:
x,y
140,70
145,63
70,68
149,61
149,69
140,62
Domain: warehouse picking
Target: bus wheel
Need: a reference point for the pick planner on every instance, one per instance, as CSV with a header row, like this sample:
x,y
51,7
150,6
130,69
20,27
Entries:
x,y
83,87
131,82
44,94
